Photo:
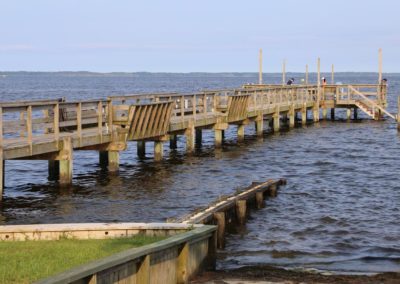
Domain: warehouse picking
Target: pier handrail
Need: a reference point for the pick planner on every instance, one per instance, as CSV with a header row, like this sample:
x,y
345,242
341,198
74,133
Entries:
x,y
371,102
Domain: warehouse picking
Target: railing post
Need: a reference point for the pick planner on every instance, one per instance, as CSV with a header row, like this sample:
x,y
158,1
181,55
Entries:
x,y
205,103
29,125
194,105
79,121
56,122
182,107
100,120
110,116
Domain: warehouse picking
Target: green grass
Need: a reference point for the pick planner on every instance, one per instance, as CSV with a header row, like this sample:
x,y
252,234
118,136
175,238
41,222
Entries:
x,y
28,261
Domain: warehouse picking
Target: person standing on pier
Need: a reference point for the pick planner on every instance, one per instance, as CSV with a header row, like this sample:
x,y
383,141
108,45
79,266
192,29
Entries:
x,y
290,81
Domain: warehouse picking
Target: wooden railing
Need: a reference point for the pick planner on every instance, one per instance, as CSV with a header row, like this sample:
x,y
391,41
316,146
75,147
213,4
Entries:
x,y
26,121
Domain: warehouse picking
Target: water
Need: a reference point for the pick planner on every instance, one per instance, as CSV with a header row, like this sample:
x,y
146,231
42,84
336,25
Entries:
x,y
339,211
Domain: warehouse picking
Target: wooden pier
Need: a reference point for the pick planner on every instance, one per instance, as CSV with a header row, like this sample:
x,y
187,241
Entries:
x,y
53,129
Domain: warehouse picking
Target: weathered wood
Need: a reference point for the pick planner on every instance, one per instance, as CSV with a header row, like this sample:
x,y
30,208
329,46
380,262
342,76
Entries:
x,y
240,132
259,126
190,138
260,203
158,150
219,218
241,211
53,169
273,190
218,138
143,271
113,161
182,273
66,161
260,79
348,114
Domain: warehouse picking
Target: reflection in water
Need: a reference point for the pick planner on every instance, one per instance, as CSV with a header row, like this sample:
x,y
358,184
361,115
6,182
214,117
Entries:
x,y
339,211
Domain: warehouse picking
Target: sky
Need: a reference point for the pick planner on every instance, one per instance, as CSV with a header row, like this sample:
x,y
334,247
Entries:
x,y
198,36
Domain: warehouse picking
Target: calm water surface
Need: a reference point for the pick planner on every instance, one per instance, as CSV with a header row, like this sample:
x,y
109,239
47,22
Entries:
x,y
339,211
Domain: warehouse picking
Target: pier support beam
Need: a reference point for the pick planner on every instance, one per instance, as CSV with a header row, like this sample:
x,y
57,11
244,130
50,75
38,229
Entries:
x,y
316,113
173,141
348,114
190,138
241,211
53,169
355,114
273,190
304,115
219,218
324,113
332,113
113,161
240,132
158,150
259,126
291,117
66,162
276,119
199,137
141,148
218,137
260,199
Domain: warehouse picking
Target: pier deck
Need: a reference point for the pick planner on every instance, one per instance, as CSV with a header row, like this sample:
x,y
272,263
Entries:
x,y
52,130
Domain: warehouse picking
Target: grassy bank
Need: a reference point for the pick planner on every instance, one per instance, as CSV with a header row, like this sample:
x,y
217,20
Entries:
x,y
25,262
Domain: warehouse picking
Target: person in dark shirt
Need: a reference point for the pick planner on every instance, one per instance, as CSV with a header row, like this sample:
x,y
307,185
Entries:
x,y
290,81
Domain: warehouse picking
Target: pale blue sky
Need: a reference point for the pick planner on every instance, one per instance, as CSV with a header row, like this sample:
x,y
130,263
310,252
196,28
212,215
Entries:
x,y
190,36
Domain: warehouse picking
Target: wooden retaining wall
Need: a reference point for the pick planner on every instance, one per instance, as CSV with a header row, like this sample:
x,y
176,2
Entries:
x,y
173,260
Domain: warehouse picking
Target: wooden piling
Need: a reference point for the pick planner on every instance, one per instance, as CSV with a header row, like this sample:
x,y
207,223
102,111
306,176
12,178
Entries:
x,y
158,150
355,113
190,138
66,162
276,122
273,190
141,148
380,66
348,114
260,79
306,74
113,161
324,113
241,211
218,138
259,126
219,218
316,113
284,72
292,117
240,132
260,203
304,115
332,113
